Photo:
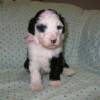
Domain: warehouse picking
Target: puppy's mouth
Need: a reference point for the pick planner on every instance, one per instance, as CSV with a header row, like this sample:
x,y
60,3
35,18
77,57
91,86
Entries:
x,y
51,46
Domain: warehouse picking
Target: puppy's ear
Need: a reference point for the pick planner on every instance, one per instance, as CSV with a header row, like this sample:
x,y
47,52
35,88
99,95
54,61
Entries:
x,y
31,26
63,22
33,21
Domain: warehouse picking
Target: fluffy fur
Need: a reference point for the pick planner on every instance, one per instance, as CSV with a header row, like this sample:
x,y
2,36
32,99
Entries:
x,y
45,47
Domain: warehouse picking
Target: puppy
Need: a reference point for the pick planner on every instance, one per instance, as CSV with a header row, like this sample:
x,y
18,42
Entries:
x,y
45,49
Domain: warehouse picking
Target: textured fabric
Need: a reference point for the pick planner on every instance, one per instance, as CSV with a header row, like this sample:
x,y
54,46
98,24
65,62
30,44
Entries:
x,y
14,85
82,52
86,42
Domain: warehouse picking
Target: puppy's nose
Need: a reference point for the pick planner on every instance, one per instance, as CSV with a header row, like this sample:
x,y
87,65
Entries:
x,y
53,41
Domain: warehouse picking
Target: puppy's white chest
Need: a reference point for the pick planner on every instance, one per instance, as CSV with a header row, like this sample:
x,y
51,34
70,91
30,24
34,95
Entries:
x,y
44,58
41,56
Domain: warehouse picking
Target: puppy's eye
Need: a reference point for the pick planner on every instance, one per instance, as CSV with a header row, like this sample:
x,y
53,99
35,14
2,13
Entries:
x,y
59,27
41,27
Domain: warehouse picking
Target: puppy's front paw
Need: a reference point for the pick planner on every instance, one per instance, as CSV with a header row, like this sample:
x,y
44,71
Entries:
x,y
37,87
55,83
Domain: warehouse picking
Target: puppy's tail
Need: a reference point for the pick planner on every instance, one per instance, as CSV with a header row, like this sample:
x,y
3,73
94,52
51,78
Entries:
x,y
26,64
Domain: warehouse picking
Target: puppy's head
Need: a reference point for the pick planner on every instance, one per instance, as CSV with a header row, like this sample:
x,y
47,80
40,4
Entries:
x,y
48,27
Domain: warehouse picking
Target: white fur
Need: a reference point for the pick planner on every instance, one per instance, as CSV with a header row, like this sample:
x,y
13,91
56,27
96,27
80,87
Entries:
x,y
39,60
40,50
51,20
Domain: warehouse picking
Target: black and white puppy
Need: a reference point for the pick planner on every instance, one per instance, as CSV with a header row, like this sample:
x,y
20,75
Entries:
x,y
45,48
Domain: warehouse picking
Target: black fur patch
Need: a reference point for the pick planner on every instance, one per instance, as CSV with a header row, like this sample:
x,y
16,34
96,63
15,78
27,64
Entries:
x,y
57,64
32,22
26,64
41,27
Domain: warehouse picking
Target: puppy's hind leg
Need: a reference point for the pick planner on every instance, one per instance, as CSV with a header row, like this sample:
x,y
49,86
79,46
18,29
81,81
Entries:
x,y
26,64
67,71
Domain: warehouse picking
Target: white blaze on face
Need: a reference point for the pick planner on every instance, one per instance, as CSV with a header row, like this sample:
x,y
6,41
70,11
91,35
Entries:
x,y
47,29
